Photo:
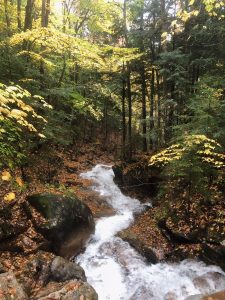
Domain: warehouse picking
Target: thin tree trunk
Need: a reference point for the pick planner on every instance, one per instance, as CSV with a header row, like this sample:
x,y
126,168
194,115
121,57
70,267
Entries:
x,y
45,11
143,85
144,125
159,110
19,19
62,72
105,120
129,99
7,19
29,15
152,94
123,112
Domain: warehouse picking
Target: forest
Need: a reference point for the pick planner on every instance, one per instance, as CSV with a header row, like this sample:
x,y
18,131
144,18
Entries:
x,y
137,86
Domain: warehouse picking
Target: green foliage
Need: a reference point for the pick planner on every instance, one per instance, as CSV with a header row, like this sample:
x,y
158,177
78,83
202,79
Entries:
x,y
18,119
196,162
197,147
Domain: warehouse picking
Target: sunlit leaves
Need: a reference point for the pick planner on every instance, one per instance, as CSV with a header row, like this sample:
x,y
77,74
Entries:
x,y
10,97
47,43
208,151
17,118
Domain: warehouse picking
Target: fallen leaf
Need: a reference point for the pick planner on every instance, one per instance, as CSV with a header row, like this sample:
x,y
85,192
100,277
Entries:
x,y
9,197
19,181
6,176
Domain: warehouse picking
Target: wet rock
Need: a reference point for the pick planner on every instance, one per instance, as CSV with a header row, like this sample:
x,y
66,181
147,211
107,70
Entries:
x,y
105,212
195,297
137,178
10,288
63,270
70,290
142,293
171,296
173,236
118,172
150,254
214,255
59,217
204,283
216,296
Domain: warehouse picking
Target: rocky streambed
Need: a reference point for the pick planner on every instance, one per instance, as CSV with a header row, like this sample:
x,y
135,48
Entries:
x,y
117,271
34,255
34,260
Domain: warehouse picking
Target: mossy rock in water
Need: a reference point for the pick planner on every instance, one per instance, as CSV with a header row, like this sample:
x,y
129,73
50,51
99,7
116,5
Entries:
x,y
61,216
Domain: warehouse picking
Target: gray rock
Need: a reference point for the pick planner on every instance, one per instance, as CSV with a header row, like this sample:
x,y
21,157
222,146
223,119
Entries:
x,y
195,297
149,253
213,255
61,216
10,288
71,290
204,282
63,270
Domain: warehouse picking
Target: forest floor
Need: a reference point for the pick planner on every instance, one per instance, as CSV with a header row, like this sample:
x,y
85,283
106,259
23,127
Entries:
x,y
58,172
55,171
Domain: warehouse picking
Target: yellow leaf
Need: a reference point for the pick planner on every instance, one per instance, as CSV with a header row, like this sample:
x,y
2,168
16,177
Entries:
x,y
19,181
41,135
6,176
9,197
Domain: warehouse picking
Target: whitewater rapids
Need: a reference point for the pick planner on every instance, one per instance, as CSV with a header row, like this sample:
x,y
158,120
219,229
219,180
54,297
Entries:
x,y
118,272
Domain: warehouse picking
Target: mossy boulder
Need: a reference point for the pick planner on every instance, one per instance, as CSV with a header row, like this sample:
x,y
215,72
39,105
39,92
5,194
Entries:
x,y
56,217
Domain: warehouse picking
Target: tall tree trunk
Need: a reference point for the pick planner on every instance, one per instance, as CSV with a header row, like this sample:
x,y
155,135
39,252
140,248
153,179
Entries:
x,y
45,11
64,16
123,112
152,94
144,125
143,84
7,18
105,121
159,110
29,15
129,99
19,19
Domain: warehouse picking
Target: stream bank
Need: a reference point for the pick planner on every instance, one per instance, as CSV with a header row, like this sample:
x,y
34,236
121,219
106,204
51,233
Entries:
x,y
27,249
163,231
107,256
31,245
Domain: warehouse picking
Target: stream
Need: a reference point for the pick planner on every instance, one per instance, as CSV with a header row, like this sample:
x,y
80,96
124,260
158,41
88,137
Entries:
x,y
118,272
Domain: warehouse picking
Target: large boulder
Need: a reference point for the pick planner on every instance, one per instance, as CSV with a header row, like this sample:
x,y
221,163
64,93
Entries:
x,y
62,220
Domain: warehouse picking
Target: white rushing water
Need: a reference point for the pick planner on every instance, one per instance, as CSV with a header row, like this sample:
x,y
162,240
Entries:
x,y
118,272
